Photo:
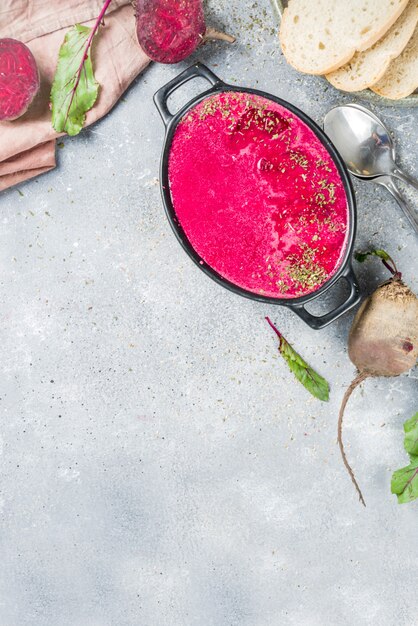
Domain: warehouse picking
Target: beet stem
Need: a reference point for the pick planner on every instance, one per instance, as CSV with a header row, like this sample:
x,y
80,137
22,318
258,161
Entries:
x,y
359,379
86,53
278,333
391,269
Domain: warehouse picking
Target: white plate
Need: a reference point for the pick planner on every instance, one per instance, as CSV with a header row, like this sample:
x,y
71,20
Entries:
x,y
367,94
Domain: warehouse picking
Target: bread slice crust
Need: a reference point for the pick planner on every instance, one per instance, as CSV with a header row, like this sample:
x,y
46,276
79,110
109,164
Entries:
x,y
366,68
401,78
311,44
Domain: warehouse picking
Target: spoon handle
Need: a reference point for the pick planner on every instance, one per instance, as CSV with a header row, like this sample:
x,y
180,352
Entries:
x,y
387,182
398,173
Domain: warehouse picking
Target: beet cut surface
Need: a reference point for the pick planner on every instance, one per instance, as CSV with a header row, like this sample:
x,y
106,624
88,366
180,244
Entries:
x,y
19,79
169,30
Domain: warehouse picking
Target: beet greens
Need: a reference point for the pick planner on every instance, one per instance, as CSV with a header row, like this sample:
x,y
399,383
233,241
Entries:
x,y
311,380
75,89
405,481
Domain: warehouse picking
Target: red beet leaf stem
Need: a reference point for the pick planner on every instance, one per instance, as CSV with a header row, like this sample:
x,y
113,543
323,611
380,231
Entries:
x,y
393,270
86,53
386,264
391,266
278,333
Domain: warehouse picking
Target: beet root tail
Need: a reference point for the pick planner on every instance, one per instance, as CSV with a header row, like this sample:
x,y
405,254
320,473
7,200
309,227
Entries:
x,y
359,379
212,33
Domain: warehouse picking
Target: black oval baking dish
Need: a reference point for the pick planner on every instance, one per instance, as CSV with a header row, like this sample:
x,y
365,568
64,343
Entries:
x,y
344,271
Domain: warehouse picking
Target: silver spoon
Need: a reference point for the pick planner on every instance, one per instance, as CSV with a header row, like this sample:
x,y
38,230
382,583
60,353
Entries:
x,y
367,149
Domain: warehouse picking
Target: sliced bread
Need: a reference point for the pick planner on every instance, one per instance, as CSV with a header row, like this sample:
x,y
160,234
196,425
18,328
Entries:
x,y
366,68
401,78
319,37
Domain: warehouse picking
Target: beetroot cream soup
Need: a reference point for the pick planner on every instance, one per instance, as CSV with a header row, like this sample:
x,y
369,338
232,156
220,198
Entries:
x,y
258,195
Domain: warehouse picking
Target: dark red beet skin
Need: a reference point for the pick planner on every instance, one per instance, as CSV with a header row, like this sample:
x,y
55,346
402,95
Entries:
x,y
19,79
169,30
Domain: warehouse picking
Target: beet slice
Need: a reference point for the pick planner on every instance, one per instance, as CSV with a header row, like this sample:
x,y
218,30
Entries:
x,y
169,30
19,78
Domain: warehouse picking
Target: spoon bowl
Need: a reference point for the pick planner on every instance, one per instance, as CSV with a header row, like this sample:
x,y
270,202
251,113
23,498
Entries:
x,y
367,148
362,140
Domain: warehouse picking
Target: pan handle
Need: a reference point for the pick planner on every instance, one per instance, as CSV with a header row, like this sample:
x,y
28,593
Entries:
x,y
198,70
317,322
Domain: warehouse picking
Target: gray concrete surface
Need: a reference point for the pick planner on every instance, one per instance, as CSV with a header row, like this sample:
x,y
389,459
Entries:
x,y
160,466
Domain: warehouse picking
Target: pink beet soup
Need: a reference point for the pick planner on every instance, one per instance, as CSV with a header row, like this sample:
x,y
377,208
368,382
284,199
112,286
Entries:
x,y
258,195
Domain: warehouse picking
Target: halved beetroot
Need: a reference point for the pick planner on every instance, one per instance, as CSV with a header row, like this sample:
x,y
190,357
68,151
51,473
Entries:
x,y
19,78
169,30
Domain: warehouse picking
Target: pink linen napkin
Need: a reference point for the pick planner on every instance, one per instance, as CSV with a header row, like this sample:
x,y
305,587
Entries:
x,y
27,145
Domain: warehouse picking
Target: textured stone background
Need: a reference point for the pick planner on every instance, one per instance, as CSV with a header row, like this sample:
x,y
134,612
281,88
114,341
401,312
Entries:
x,y
160,467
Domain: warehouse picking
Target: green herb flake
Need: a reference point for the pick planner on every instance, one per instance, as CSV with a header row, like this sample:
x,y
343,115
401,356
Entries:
x,y
304,270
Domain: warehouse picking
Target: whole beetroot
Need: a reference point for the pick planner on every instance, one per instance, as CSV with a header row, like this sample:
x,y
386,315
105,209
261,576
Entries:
x,y
19,79
383,339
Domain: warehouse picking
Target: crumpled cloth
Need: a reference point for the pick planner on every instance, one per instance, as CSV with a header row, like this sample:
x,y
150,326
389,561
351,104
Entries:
x,y
27,145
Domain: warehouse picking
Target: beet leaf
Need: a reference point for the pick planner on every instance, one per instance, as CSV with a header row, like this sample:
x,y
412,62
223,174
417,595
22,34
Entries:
x,y
311,380
405,481
411,435
74,89
387,260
